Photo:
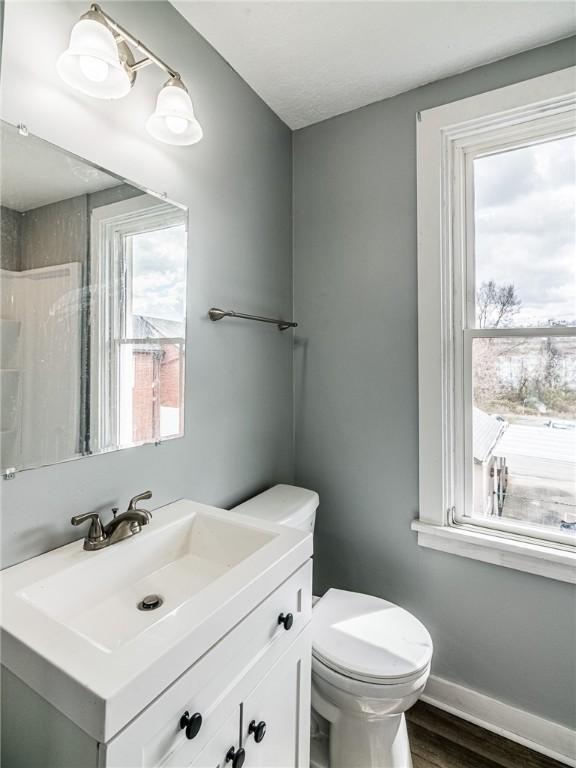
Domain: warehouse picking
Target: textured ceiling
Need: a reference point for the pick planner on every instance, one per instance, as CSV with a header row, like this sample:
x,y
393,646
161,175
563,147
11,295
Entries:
x,y
312,60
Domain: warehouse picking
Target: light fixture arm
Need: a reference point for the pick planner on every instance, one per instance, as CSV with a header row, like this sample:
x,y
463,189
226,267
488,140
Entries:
x,y
149,56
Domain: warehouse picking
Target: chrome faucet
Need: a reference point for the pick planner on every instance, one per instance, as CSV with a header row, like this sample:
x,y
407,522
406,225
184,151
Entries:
x,y
120,527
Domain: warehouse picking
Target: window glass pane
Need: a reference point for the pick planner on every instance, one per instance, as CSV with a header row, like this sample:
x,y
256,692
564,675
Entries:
x,y
525,236
151,390
158,281
524,430
151,372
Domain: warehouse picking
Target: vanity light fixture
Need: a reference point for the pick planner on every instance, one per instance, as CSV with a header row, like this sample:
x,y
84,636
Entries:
x,y
99,62
173,121
95,62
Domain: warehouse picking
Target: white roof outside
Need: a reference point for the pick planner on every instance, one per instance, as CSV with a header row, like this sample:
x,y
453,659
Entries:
x,y
554,449
486,432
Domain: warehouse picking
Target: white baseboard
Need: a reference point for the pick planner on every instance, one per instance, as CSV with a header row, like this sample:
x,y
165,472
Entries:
x,y
544,736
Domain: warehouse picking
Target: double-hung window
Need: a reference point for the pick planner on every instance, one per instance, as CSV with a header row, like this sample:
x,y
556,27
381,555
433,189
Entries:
x,y
497,326
138,322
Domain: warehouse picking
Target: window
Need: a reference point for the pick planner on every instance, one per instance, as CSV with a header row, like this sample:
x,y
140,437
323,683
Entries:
x,y
497,326
138,283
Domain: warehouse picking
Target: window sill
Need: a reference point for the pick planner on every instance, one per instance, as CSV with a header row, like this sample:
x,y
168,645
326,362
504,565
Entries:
x,y
550,562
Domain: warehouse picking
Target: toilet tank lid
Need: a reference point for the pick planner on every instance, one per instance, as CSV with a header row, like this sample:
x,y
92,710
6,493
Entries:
x,y
283,504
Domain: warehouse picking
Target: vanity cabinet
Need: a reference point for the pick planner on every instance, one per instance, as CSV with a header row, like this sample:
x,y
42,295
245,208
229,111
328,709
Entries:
x,y
257,671
281,703
216,751
91,681
260,670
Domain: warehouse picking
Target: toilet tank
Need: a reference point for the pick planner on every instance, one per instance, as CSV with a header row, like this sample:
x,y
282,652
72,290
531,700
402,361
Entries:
x,y
284,504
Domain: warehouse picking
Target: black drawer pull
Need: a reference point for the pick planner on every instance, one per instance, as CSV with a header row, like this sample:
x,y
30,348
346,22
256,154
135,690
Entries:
x,y
286,620
237,756
191,723
258,729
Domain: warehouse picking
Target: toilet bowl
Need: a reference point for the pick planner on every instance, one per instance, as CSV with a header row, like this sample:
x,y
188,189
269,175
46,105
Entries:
x,y
370,663
370,658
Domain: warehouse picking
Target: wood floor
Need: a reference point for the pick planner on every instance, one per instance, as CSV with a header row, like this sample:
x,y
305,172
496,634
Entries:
x,y
440,740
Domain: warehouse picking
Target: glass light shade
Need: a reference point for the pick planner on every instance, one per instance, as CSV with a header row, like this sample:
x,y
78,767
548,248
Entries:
x,y
173,121
91,63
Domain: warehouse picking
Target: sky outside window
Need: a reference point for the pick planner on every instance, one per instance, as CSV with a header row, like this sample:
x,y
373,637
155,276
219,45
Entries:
x,y
525,229
159,273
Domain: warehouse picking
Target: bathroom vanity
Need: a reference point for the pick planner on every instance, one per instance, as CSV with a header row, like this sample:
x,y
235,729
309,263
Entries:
x,y
217,674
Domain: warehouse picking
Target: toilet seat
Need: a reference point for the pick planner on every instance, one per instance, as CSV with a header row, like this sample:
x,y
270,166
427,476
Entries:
x,y
368,639
382,696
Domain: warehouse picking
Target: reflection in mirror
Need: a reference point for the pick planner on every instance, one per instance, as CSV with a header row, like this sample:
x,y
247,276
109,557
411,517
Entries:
x,y
93,308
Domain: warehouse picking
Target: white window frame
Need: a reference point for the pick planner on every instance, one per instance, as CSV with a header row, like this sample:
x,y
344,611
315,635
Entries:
x,y
449,138
109,225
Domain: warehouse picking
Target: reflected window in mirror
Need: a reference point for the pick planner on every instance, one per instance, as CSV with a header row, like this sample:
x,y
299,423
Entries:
x,y
138,261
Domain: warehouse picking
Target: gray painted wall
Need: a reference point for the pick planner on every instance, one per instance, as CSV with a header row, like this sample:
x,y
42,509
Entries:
x,y
10,231
237,186
112,195
509,634
54,234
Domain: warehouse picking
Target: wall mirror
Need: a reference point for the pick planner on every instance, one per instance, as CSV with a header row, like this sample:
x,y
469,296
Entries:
x,y
93,308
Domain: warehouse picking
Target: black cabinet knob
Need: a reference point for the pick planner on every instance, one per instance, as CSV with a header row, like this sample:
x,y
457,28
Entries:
x,y
237,756
286,620
258,729
192,723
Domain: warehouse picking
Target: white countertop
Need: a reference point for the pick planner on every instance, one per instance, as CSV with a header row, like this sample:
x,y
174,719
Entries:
x,y
63,627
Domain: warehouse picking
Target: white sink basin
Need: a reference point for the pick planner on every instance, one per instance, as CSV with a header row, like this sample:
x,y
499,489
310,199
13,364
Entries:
x,y
70,618
99,599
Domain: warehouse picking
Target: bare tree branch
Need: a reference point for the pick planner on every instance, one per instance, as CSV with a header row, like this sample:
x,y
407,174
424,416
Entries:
x,y
496,304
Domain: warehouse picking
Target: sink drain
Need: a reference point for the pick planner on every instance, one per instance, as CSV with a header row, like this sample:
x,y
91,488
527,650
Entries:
x,y
150,603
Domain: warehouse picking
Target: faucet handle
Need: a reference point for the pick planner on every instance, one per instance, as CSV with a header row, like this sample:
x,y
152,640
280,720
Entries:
x,y
140,497
95,533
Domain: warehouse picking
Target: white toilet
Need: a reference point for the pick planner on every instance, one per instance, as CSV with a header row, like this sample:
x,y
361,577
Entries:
x,y
370,658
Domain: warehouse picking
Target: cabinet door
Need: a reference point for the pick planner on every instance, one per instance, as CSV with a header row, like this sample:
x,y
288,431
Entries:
x,y
281,701
214,753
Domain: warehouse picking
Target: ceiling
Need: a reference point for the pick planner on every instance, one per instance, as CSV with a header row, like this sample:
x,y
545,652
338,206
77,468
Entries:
x,y
36,173
312,60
